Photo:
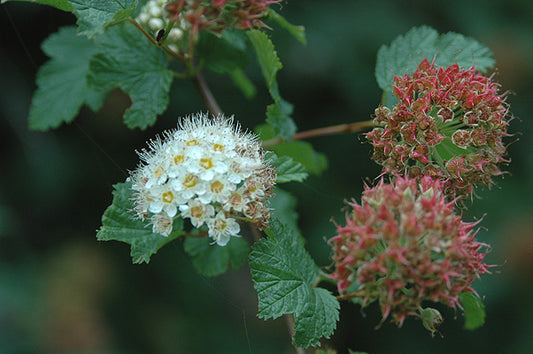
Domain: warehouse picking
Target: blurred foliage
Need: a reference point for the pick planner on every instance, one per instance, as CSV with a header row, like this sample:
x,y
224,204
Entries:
x,y
62,291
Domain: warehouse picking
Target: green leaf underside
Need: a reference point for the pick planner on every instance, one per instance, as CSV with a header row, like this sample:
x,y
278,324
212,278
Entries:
x,y
297,32
474,310
212,260
405,53
223,54
278,113
61,82
94,15
267,58
128,60
283,275
58,4
288,170
278,116
119,224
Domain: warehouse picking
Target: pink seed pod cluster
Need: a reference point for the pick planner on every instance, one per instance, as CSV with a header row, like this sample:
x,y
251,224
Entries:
x,y
404,245
448,123
219,15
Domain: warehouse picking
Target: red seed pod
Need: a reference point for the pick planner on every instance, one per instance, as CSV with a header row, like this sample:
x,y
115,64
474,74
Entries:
x,y
443,114
404,245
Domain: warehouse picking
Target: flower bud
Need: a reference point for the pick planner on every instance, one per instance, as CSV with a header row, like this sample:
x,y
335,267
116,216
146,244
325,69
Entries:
x,y
431,319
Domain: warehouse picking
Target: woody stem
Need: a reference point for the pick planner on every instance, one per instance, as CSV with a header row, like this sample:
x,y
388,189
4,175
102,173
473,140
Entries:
x,y
335,129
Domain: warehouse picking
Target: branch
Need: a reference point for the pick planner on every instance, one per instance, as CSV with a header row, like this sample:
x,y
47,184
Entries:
x,y
154,42
335,129
350,295
207,96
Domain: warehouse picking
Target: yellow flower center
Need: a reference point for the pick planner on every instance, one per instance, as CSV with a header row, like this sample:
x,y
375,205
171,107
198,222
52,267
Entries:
x,y
178,159
190,181
206,163
159,171
218,147
167,197
192,142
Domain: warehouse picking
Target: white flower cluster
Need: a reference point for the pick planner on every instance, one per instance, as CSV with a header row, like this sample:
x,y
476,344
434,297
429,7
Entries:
x,y
207,171
154,16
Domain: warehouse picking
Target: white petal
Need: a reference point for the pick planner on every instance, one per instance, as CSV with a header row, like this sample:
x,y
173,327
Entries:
x,y
223,240
171,210
156,207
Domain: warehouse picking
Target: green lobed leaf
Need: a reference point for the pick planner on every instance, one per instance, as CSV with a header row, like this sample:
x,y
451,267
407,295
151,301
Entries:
x,y
222,54
407,51
287,169
297,32
212,260
284,274
94,15
120,224
282,271
128,60
267,58
278,116
58,4
278,113
319,319
474,310
61,82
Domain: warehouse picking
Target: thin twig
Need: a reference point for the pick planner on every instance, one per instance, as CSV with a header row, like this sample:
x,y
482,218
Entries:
x,y
349,295
209,99
154,42
143,31
335,129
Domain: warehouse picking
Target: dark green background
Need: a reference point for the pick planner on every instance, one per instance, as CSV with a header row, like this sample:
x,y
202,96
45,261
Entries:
x,y
62,291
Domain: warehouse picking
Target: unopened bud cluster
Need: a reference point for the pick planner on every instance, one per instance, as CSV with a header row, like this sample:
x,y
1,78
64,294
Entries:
x,y
193,16
404,245
219,15
448,123
207,171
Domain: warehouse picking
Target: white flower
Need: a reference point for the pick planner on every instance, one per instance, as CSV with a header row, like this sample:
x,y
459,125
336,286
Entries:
x,y
162,224
197,211
222,228
206,167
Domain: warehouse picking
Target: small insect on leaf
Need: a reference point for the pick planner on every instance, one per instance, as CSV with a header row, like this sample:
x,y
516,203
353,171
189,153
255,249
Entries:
x,y
160,35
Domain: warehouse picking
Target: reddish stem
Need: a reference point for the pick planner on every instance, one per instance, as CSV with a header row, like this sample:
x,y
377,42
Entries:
x,y
349,295
335,129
